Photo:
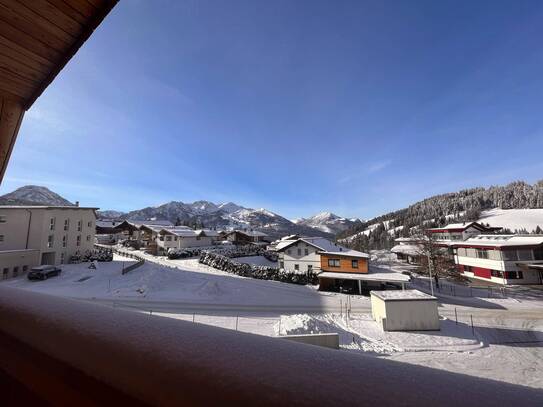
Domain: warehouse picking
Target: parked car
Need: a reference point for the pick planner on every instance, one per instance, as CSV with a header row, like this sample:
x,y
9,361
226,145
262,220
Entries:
x,y
43,272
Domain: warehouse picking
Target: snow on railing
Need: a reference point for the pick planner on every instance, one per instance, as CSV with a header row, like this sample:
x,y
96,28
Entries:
x,y
85,348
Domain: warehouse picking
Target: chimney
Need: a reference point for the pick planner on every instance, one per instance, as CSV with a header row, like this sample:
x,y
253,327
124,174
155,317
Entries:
x,y
76,203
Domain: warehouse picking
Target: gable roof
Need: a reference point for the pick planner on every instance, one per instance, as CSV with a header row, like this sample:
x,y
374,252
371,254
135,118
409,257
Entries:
x,y
460,227
323,246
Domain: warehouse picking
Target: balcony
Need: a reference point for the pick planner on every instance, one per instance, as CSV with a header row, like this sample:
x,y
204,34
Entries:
x,y
62,351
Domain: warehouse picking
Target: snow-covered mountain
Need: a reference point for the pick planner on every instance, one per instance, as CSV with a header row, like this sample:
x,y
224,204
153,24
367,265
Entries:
x,y
34,195
208,214
198,214
327,222
230,207
109,214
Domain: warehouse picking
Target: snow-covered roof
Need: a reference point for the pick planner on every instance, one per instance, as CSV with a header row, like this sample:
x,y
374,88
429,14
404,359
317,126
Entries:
x,y
324,246
208,232
150,223
386,277
460,226
181,231
253,233
402,295
409,249
107,223
502,240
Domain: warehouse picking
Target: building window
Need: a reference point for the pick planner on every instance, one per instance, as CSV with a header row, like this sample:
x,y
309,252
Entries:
x,y
175,239
514,275
281,264
66,224
89,224
25,269
79,225
333,262
15,271
296,267
510,255
64,239
2,218
482,254
5,272
88,238
62,255
78,241
198,237
52,224
354,264
310,268
288,252
496,273
1,238
524,255
306,251
50,241
168,238
538,254
468,269
299,252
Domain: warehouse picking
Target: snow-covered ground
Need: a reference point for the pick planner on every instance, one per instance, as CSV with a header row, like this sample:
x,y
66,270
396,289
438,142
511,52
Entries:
x,y
513,219
507,343
256,260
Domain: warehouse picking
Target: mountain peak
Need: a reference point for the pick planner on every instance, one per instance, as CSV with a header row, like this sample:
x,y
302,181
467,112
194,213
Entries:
x,y
34,195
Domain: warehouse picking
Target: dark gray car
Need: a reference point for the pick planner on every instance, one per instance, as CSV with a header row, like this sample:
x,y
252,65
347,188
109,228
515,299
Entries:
x,y
43,272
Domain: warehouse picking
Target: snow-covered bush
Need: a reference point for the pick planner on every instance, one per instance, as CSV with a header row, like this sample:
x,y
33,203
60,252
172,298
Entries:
x,y
224,263
182,253
92,255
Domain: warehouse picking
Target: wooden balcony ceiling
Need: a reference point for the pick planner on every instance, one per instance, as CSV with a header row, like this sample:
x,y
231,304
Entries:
x,y
38,37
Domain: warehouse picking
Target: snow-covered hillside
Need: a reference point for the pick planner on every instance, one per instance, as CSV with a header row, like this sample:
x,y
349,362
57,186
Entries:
x,y
327,222
513,219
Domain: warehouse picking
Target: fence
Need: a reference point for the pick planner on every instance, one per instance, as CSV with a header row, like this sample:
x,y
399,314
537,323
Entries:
x,y
140,260
456,290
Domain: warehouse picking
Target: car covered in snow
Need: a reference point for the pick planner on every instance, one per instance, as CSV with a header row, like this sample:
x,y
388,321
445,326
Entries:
x,y
43,272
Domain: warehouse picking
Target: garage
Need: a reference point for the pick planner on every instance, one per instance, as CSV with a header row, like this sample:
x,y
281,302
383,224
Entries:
x,y
406,310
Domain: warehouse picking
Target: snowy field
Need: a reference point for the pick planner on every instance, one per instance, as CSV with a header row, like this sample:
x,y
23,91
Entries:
x,y
513,219
506,344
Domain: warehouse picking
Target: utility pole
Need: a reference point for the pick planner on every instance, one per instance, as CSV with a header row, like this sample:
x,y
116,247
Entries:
x,y
430,271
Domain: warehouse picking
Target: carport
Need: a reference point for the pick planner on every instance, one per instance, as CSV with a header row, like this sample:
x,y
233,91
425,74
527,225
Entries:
x,y
326,277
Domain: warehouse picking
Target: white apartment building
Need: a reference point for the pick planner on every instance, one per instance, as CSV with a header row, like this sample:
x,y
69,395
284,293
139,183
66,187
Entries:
x,y
34,235
501,259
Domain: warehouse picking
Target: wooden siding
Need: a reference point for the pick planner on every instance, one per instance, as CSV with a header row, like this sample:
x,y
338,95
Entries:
x,y
345,264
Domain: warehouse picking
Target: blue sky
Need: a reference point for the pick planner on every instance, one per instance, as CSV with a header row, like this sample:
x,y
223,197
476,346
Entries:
x,y
353,107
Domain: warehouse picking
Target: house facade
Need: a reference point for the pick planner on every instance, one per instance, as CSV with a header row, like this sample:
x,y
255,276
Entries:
x,y
501,259
181,237
335,265
245,236
34,235
408,249
454,232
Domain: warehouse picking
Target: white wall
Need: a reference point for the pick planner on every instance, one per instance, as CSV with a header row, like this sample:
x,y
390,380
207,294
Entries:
x,y
303,260
405,315
33,224
18,260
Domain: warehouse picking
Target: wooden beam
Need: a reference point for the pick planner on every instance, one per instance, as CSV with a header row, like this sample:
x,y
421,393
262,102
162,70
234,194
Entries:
x,y
11,115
